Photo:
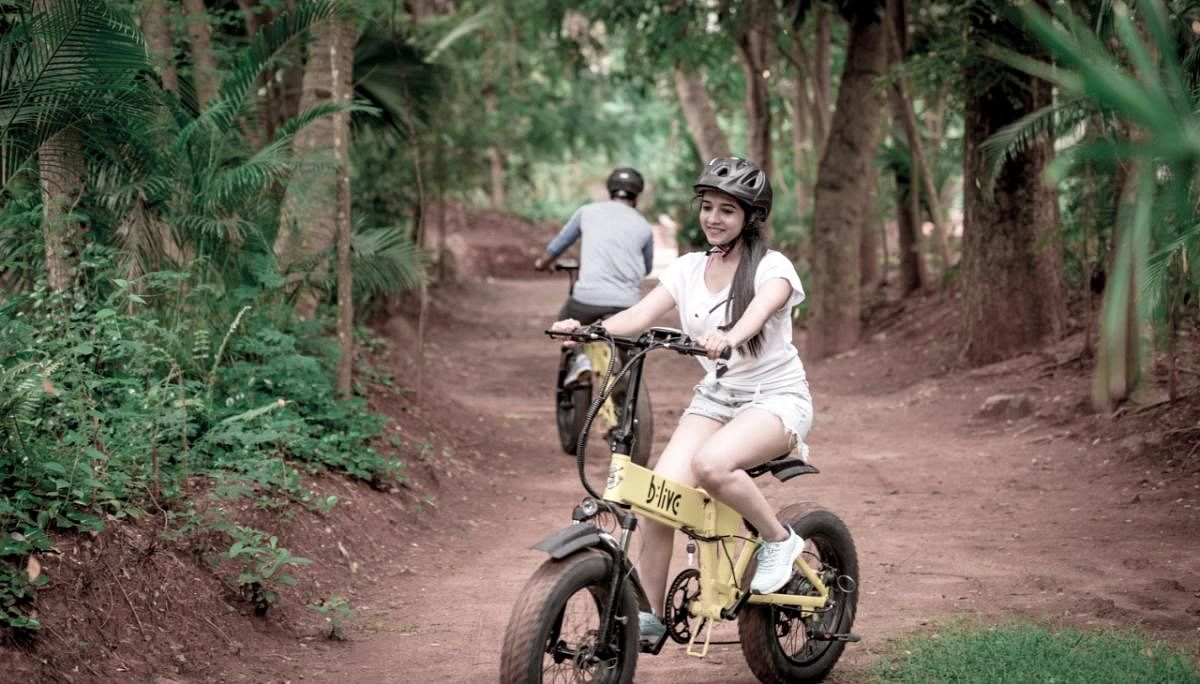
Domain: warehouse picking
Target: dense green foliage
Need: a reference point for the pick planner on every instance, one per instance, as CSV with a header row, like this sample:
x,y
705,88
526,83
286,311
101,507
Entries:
x,y
1024,653
174,353
111,407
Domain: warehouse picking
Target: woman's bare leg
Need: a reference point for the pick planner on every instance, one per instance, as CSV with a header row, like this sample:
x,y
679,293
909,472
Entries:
x,y
658,539
755,436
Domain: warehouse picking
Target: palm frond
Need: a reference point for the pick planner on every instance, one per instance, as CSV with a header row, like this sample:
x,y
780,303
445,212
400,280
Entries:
x,y
263,48
62,65
396,78
465,27
385,261
1018,136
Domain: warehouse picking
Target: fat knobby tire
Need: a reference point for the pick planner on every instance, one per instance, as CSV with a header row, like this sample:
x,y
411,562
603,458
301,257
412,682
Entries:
x,y
542,601
756,624
570,419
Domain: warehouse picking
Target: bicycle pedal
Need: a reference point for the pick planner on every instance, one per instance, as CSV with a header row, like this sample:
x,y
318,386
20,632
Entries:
x,y
830,636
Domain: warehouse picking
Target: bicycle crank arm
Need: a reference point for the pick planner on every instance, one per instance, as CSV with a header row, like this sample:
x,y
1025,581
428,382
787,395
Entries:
x,y
830,636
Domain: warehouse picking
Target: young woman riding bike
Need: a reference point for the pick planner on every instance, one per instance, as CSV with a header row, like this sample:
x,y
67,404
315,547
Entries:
x,y
748,410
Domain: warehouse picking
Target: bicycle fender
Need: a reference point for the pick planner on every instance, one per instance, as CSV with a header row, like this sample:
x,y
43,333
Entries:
x,y
569,540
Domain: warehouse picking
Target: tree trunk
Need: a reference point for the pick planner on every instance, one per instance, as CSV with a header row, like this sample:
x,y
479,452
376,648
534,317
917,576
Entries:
x,y
495,158
702,121
61,169
913,275
204,63
868,244
754,48
309,217
159,42
821,86
800,143
922,176
840,204
343,91
1011,261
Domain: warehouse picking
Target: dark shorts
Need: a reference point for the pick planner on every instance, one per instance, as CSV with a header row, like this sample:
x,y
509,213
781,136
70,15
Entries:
x,y
586,314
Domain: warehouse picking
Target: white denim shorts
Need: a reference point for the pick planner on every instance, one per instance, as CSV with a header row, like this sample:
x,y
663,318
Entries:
x,y
793,406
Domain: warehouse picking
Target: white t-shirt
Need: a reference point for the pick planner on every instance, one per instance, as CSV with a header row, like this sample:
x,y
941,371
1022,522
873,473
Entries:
x,y
777,365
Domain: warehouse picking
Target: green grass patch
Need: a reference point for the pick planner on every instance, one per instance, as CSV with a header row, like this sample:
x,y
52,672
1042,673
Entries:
x,y
1020,652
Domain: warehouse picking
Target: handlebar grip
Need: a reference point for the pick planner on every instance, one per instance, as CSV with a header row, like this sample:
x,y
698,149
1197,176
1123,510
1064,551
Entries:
x,y
696,350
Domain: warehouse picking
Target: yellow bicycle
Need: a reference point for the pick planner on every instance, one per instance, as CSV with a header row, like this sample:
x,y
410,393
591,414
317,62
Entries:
x,y
576,619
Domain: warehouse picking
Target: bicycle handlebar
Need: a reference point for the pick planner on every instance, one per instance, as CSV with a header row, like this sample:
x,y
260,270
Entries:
x,y
655,337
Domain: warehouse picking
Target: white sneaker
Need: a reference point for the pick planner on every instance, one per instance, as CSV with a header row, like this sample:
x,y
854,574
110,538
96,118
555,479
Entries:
x,y
775,564
581,366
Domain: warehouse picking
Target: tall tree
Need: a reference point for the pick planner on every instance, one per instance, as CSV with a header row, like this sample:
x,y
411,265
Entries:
x,y
702,121
908,199
61,169
343,92
309,218
1012,260
922,174
757,34
841,195
157,28
204,62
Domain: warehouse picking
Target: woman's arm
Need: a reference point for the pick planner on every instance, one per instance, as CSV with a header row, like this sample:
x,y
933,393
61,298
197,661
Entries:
x,y
637,318
771,297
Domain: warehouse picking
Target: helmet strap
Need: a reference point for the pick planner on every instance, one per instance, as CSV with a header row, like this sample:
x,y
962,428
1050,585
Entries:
x,y
725,248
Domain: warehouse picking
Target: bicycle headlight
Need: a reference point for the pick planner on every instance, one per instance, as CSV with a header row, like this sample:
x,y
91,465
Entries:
x,y
589,507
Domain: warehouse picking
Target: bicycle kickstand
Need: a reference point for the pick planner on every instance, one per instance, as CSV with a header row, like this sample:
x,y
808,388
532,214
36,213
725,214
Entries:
x,y
707,626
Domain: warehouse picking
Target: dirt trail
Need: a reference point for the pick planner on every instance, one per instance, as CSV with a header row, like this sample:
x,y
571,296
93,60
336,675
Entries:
x,y
951,514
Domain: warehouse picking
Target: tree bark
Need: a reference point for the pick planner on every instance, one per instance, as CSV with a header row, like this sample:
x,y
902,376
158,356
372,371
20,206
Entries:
x,y
840,204
1011,262
800,142
61,170
754,48
495,158
343,91
159,41
922,175
702,121
204,63
868,244
309,217
913,275
821,76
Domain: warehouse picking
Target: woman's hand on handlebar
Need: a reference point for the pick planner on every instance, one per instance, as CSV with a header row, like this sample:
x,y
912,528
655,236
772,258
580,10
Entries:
x,y
715,343
567,325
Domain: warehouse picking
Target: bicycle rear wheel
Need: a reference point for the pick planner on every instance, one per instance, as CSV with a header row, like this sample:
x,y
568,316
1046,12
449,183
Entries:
x,y
553,633
570,412
778,641
643,428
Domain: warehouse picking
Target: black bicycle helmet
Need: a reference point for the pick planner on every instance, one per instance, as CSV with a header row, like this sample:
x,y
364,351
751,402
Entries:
x,y
739,178
625,183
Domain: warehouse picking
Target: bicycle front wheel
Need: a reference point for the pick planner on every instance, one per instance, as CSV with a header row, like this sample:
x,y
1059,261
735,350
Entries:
x,y
554,631
777,641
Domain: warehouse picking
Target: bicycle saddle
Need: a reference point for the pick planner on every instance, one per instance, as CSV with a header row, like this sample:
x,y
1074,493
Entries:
x,y
783,468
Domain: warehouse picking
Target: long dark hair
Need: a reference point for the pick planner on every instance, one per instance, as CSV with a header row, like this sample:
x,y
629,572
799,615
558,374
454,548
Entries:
x,y
741,291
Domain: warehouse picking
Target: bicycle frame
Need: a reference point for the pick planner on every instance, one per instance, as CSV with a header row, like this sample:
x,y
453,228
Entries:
x,y
717,528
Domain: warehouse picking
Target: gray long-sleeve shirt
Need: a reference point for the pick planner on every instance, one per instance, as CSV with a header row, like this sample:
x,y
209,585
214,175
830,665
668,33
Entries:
x,y
616,254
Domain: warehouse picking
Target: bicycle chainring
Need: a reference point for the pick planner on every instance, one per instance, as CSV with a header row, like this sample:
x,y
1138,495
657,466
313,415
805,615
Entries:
x,y
684,590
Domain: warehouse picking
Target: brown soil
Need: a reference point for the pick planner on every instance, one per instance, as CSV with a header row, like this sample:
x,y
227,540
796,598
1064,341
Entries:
x,y
1060,514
